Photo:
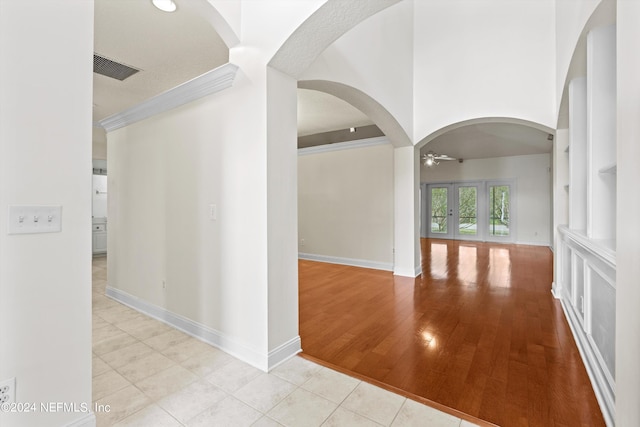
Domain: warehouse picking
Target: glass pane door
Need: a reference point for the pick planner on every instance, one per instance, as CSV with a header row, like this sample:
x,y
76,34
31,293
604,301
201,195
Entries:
x,y
499,211
440,210
467,224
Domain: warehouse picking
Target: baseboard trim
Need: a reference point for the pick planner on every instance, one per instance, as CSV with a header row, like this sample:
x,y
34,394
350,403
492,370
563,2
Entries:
x,y
557,293
408,273
209,335
284,352
347,261
534,244
87,420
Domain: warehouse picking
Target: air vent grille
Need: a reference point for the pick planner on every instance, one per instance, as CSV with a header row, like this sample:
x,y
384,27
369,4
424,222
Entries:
x,y
113,69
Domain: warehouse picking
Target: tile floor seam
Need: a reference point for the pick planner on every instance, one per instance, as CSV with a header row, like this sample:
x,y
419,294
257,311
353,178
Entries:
x,y
324,397
398,413
329,416
199,413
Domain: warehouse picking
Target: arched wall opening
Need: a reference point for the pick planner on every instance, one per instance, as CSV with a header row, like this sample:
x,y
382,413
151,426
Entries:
x,y
365,103
346,191
604,14
489,154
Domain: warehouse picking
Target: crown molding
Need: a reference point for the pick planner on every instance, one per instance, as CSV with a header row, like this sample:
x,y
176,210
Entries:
x,y
206,84
360,143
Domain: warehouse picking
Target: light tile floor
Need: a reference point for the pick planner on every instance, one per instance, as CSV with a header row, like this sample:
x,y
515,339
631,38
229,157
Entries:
x,y
153,375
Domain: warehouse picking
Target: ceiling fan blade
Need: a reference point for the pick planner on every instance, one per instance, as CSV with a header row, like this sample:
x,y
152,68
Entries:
x,y
444,157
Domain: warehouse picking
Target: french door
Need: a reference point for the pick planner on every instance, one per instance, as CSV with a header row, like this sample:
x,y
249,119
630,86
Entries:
x,y
479,210
453,210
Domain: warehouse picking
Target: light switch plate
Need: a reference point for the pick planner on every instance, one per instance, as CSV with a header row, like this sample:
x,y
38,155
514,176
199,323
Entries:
x,y
34,219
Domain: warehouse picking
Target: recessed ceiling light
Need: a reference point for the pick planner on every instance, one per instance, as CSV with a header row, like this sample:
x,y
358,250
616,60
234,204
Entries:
x,y
165,5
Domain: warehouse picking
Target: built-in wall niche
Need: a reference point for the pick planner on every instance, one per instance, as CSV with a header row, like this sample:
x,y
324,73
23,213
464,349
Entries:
x,y
587,261
601,135
578,154
592,141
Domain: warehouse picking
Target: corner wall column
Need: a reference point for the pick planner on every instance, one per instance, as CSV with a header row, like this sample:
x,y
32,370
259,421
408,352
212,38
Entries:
x,y
628,205
282,217
406,229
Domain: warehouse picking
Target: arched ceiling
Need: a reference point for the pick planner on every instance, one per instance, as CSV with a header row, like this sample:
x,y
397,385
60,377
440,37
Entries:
x,y
323,27
320,112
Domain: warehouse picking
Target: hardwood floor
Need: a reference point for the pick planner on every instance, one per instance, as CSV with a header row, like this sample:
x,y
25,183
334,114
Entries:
x,y
478,332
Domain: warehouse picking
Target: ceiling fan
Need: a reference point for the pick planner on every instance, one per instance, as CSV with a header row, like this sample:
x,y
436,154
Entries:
x,y
431,158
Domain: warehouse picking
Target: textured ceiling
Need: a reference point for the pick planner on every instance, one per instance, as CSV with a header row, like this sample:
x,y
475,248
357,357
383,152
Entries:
x,y
169,48
485,140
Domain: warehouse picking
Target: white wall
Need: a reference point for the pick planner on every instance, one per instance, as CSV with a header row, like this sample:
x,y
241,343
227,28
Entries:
x,y
345,204
477,59
533,185
99,150
45,158
234,149
164,173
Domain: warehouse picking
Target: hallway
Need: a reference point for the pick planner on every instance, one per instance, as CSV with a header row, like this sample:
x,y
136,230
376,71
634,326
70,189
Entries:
x,y
478,332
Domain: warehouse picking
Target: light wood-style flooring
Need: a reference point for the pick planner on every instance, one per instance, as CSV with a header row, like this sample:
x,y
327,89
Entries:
x,y
478,332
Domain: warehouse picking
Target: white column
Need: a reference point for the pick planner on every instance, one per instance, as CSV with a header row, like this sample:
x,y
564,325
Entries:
x,y
406,227
45,159
560,200
628,207
282,217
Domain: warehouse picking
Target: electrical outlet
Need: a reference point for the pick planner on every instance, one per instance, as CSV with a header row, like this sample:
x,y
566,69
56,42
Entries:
x,y
8,391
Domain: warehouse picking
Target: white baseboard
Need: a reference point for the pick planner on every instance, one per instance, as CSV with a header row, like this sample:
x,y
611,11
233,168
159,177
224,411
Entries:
x,y
408,273
347,261
534,244
254,357
556,290
284,352
87,420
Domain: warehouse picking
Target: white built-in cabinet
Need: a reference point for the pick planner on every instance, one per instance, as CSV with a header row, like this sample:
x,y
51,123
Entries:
x,y
586,257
